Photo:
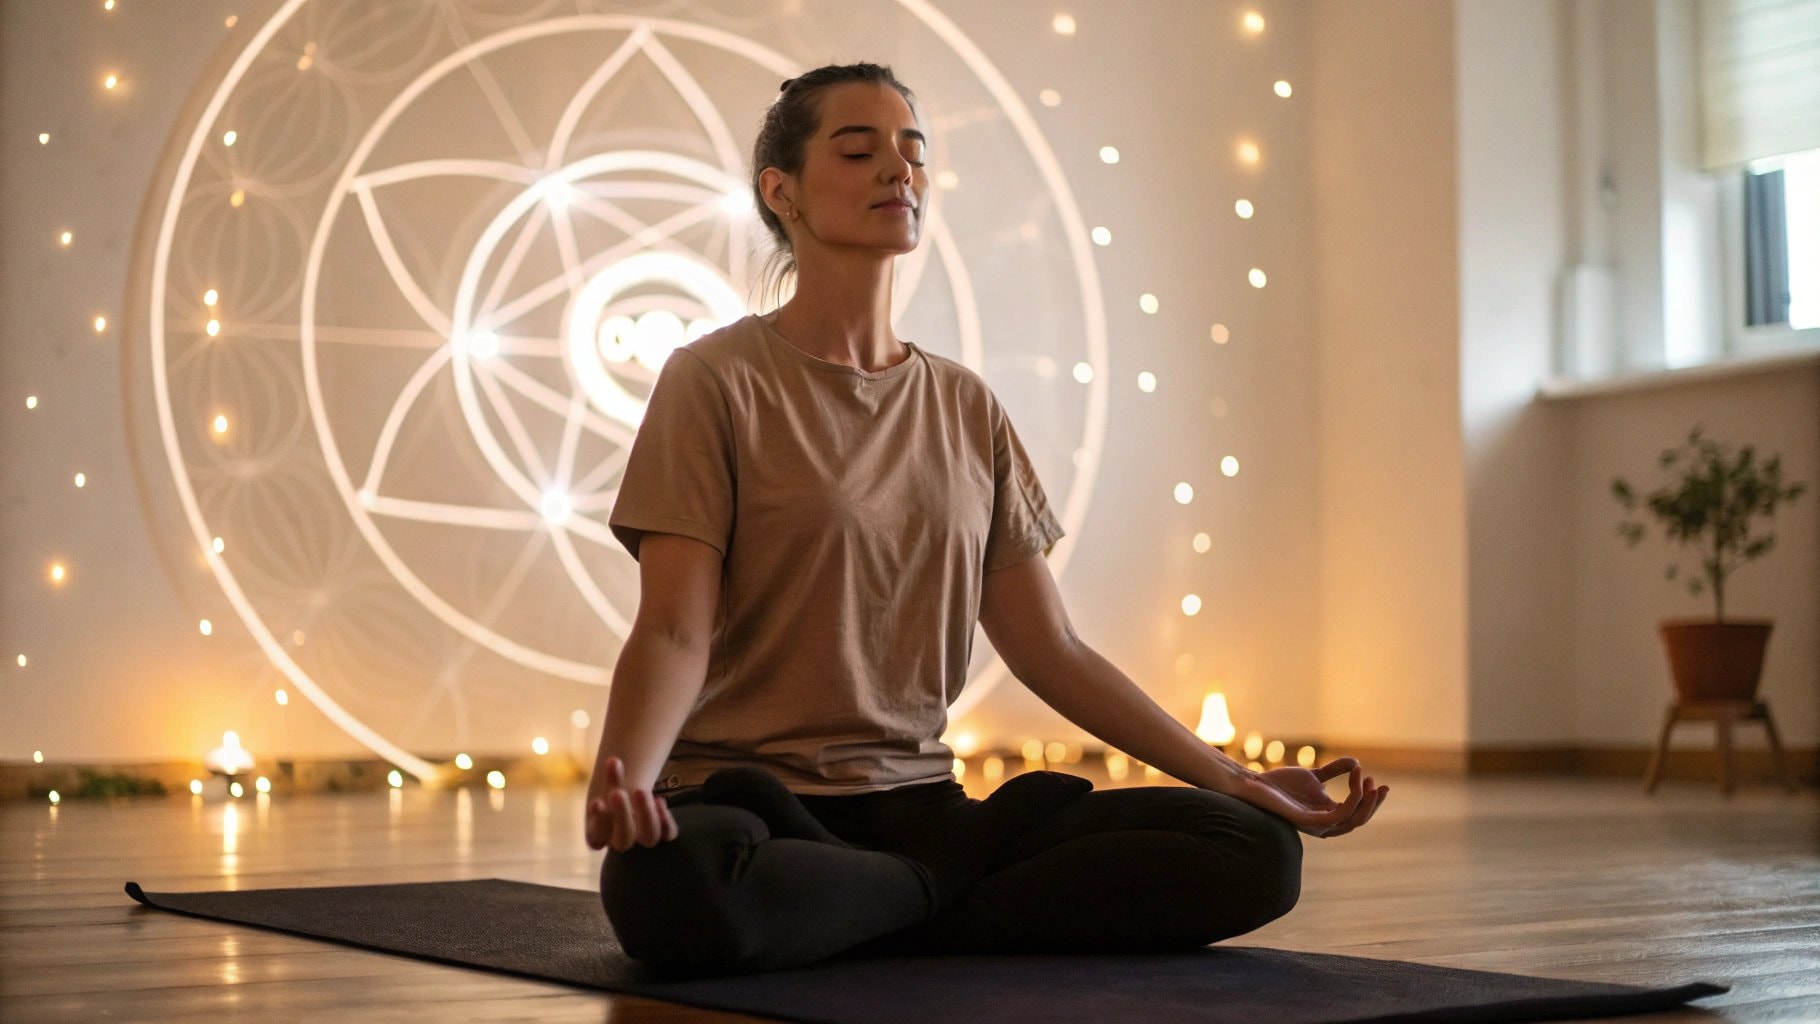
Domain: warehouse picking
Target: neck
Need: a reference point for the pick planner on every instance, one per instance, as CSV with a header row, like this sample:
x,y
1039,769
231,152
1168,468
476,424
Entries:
x,y
841,312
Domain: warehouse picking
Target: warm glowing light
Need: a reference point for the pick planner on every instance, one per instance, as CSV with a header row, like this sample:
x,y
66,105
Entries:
x,y
1216,722
196,786
1184,493
281,697
1254,744
1146,382
540,746
81,480
496,779
1109,154
947,181
1305,757
395,778
464,762
21,661
579,718
1274,752
231,19
1033,750
1083,373
1202,543
110,81
1229,466
1191,604
1248,152
100,324
221,424
1055,752
44,138
213,327
262,784
107,5
1220,334
1049,98
1147,302
210,297
56,798
66,238
1102,236
57,572
1243,208
966,744
207,627
37,757
227,139
230,758
1254,22
1064,24
556,506
1282,89
237,198
237,789
484,344
297,637
219,545
1257,277
31,401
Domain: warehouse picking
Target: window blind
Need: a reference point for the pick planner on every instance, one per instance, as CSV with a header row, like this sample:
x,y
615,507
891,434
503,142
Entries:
x,y
1759,79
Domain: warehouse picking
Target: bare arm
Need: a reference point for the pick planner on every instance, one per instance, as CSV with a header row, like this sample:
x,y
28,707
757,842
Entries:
x,y
657,679
1023,616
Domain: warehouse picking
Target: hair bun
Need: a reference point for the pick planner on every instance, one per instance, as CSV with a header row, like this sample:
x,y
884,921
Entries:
x,y
786,84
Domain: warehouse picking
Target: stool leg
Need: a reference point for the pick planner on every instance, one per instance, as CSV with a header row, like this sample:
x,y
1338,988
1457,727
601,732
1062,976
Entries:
x,y
1775,749
1725,750
1654,772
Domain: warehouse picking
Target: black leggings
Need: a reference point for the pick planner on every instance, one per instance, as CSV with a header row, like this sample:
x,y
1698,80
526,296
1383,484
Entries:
x,y
1147,868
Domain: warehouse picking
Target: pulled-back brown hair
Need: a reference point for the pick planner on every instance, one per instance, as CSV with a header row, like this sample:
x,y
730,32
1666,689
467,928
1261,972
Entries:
x,y
791,121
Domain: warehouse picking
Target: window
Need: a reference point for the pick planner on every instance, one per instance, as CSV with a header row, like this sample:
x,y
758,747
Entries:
x,y
1775,238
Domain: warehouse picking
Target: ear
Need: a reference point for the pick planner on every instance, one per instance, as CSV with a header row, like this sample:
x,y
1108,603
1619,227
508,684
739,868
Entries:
x,y
777,189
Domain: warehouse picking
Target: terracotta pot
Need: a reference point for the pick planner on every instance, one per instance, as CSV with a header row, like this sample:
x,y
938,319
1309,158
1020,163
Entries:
x,y
1715,660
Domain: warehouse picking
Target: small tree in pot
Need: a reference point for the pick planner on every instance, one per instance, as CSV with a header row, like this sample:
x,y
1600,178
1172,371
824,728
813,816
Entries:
x,y
1710,510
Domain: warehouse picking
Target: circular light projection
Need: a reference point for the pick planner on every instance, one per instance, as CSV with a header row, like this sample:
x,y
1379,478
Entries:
x,y
453,291
1184,493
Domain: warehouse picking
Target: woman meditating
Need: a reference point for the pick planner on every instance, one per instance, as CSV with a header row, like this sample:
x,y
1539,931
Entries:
x,y
821,512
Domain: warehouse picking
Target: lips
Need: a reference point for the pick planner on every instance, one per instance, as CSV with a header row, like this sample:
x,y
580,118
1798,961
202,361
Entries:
x,y
893,202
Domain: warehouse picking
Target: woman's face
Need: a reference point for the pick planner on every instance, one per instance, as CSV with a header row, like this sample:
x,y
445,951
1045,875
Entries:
x,y
867,153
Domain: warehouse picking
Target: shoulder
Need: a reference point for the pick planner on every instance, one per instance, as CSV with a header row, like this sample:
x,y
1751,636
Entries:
x,y
958,379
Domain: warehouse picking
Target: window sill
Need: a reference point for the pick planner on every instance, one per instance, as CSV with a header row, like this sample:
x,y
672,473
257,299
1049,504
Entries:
x,y
1556,388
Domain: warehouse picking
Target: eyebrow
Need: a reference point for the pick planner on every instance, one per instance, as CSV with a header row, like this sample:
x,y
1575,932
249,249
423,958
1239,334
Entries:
x,y
908,132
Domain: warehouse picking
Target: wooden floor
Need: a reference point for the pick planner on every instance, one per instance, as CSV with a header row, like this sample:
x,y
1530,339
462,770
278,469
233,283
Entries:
x,y
1564,877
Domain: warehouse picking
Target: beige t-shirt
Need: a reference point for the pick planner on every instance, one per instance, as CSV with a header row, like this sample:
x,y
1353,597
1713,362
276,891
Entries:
x,y
857,514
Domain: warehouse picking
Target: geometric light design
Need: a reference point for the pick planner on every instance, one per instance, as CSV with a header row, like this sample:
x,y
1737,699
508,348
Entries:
x,y
452,257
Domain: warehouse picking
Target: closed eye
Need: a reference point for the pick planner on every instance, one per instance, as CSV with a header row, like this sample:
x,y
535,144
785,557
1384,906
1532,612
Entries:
x,y
868,156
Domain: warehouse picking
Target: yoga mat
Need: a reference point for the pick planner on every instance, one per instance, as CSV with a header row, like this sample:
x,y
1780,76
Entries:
x,y
559,934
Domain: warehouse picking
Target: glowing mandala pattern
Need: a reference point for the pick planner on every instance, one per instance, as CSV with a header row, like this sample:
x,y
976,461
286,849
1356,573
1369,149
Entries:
x,y
404,318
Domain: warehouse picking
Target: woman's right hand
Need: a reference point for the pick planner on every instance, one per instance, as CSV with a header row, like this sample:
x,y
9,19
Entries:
x,y
625,816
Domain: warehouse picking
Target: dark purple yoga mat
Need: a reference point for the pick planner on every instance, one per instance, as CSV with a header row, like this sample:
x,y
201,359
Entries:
x,y
559,934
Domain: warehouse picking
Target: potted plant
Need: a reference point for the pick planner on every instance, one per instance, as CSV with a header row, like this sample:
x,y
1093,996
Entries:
x,y
1710,509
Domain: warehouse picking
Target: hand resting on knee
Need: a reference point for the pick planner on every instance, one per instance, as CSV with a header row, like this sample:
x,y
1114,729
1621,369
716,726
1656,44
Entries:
x,y
627,816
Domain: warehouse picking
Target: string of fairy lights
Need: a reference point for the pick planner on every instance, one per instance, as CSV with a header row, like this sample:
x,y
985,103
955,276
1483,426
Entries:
x,y
230,763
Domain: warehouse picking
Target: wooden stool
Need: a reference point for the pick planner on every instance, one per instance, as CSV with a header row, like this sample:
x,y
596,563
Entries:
x,y
1725,713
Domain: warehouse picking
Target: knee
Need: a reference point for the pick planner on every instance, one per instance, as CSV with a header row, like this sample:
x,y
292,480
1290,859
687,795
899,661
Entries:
x,y
672,906
1263,853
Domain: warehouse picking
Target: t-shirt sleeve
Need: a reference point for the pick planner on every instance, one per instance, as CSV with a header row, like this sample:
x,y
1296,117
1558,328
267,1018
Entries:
x,y
679,477
1022,522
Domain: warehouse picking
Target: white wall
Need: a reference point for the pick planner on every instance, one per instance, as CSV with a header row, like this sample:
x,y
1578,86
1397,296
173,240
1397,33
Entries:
x,y
1392,495
118,670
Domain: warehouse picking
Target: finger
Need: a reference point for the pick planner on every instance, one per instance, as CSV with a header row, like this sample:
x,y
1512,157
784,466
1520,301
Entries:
x,y
622,820
650,829
615,772
1335,768
1367,808
671,829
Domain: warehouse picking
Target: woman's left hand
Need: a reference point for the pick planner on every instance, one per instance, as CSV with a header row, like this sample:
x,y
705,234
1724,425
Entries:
x,y
1299,796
